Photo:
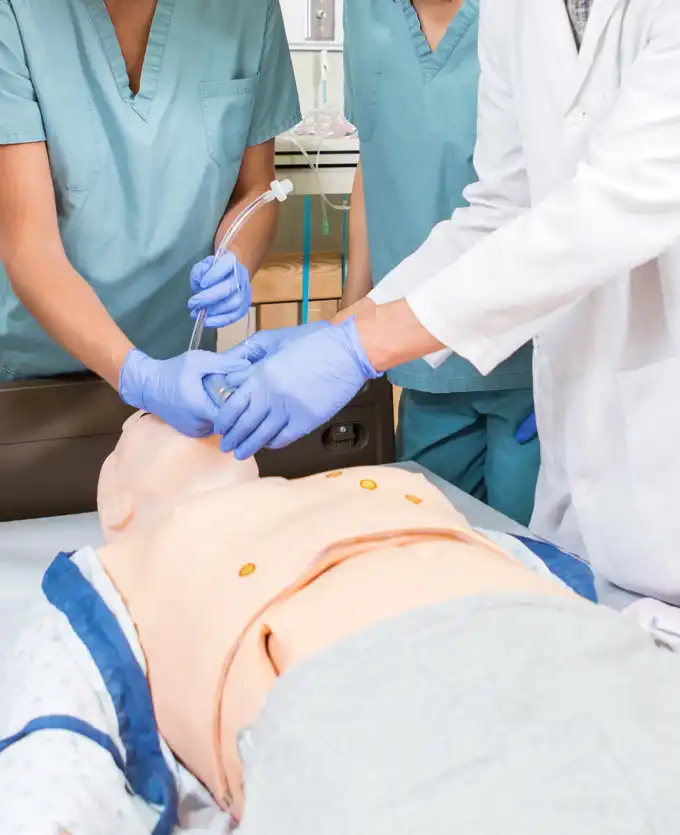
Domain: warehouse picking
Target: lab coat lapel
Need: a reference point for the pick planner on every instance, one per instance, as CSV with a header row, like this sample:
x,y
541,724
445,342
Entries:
x,y
600,16
557,48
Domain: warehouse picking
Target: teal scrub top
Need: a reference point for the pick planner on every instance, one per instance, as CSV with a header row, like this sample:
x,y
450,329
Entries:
x,y
142,181
416,113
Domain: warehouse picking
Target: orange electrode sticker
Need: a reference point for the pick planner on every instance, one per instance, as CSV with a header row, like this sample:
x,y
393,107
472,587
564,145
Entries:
x,y
247,569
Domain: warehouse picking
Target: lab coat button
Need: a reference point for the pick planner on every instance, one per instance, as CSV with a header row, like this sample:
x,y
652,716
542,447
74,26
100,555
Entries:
x,y
576,117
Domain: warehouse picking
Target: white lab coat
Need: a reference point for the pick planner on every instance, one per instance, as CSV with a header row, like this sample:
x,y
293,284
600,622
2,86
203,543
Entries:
x,y
578,159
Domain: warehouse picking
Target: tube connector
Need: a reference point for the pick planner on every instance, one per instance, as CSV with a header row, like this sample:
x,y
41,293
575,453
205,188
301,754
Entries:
x,y
281,189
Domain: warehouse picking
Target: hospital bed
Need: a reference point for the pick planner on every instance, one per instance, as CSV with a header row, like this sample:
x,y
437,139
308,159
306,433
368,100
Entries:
x,y
50,467
55,435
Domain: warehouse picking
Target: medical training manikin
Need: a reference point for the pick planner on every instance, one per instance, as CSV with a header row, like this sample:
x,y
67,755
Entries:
x,y
337,654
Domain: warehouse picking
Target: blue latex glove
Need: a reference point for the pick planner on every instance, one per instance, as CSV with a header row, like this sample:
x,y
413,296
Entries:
x,y
256,348
295,391
265,344
173,389
222,288
527,430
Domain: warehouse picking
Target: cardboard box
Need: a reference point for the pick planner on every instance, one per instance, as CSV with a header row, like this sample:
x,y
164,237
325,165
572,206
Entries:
x,y
280,279
272,316
289,314
324,309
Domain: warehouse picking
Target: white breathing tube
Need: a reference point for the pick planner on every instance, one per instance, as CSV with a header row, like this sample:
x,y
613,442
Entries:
x,y
279,190
315,166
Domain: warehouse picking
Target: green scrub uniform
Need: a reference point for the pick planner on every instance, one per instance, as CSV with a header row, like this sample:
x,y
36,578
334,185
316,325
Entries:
x,y
142,181
416,113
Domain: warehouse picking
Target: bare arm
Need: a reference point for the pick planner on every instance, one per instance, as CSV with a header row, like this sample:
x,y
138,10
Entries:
x,y
378,323
60,299
255,238
359,278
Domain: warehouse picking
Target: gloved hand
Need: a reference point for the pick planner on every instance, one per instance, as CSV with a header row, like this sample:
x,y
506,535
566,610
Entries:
x,y
254,349
527,430
265,344
173,389
296,390
222,288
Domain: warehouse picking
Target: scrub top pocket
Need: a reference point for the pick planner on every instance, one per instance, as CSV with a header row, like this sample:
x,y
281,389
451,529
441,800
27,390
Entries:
x,y
75,149
227,108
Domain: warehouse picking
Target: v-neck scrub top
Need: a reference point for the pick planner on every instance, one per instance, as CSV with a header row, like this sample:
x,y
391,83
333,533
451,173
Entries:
x,y
416,113
142,181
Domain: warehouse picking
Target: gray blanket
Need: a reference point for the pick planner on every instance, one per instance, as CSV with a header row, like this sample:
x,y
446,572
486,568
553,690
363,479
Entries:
x,y
488,716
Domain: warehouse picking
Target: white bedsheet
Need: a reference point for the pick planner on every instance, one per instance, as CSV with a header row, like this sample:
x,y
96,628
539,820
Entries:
x,y
26,549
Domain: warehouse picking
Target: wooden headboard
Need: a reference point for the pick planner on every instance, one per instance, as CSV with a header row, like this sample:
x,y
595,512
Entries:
x,y
54,437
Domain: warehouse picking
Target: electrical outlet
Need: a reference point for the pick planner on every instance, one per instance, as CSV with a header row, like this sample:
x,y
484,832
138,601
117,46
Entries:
x,y
321,20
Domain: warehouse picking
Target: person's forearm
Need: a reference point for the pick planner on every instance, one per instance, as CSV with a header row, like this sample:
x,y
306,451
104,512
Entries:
x,y
390,333
59,299
359,277
70,312
255,238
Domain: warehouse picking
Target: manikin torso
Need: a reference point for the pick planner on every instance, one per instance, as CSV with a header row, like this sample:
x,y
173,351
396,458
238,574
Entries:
x,y
244,577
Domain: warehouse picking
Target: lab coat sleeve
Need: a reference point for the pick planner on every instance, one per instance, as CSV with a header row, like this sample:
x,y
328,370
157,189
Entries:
x,y
620,210
20,117
501,192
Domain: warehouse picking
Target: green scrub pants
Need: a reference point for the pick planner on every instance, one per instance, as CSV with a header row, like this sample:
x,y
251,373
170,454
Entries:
x,y
468,439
